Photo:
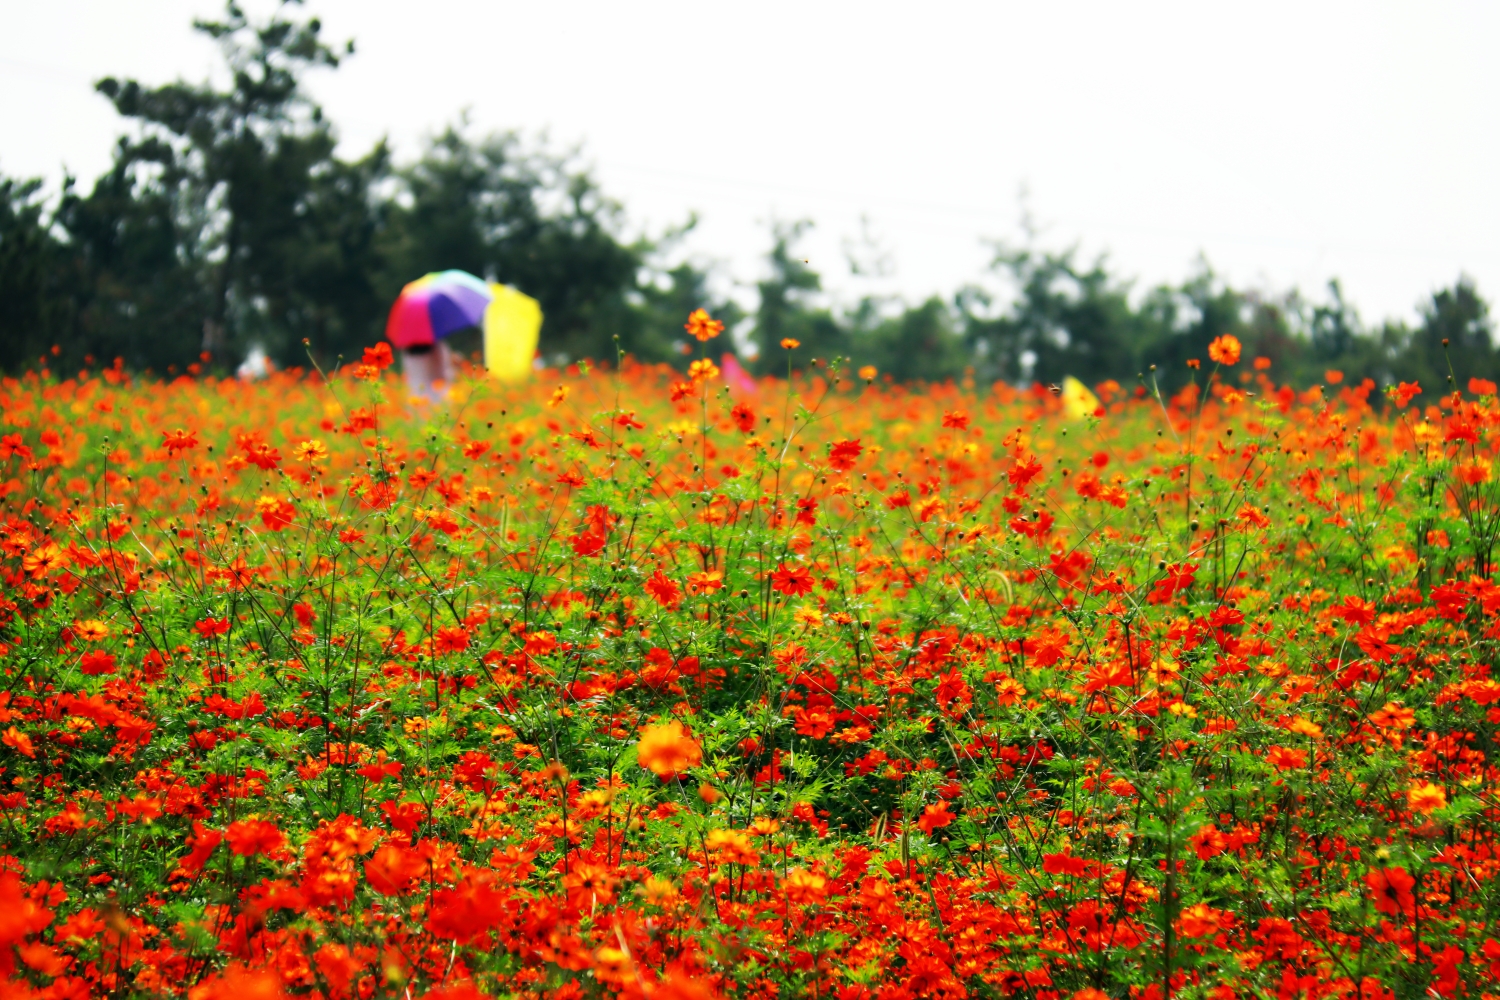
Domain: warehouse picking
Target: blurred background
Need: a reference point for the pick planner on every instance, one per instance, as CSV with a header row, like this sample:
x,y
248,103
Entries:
x,y
1020,191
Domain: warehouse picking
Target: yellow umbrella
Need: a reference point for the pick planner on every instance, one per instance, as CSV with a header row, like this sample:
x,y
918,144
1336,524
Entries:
x,y
512,324
1077,399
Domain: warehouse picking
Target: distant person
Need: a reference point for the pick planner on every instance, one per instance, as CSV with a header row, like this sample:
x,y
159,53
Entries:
x,y
428,369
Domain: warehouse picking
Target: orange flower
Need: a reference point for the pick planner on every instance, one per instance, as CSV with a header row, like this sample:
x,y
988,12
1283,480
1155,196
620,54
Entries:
x,y
790,344
1199,920
867,373
667,750
1305,727
1425,797
1393,716
1208,842
706,582
1225,349
703,370
311,451
41,562
18,741
702,326
803,887
1286,758
731,847
91,630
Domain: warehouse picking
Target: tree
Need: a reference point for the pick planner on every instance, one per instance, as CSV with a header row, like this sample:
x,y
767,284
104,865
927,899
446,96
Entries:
x,y
36,310
529,218
1455,332
1064,320
137,291
786,310
278,230
919,345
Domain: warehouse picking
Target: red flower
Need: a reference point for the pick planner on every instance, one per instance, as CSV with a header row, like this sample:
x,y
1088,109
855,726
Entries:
x,y
275,513
1286,758
1391,890
454,639
1402,394
743,417
96,662
1027,468
843,454
392,869
18,741
664,590
208,628
378,356
179,440
1208,842
249,837
792,580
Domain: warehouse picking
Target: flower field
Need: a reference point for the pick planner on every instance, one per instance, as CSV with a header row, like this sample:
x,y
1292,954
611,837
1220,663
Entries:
x,y
619,684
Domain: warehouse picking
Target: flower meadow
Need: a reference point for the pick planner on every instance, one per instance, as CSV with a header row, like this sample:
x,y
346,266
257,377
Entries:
x,y
622,683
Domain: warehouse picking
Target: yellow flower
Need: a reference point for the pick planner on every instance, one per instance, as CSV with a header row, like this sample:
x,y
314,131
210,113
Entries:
x,y
808,616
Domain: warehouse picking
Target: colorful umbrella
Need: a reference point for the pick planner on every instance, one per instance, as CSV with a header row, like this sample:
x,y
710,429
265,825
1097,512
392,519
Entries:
x,y
436,305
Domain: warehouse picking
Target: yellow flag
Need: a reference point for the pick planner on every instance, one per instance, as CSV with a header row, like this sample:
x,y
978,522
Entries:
x,y
512,323
1077,399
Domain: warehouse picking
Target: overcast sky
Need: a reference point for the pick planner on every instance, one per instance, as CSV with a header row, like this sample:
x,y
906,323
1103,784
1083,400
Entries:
x,y
1286,142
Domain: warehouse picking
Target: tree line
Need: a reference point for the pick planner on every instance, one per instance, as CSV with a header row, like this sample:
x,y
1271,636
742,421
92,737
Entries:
x,y
228,219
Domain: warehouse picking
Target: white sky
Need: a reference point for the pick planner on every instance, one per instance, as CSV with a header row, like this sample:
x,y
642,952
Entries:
x,y
1287,142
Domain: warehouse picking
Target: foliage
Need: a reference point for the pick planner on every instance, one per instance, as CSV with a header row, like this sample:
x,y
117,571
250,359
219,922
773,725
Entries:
x,y
619,684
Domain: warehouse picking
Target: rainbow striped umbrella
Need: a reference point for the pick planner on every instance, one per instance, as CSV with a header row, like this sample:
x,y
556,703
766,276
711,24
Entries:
x,y
436,305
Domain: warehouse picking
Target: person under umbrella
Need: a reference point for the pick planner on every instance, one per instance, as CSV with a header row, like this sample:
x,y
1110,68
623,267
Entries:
x,y
427,311
442,303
